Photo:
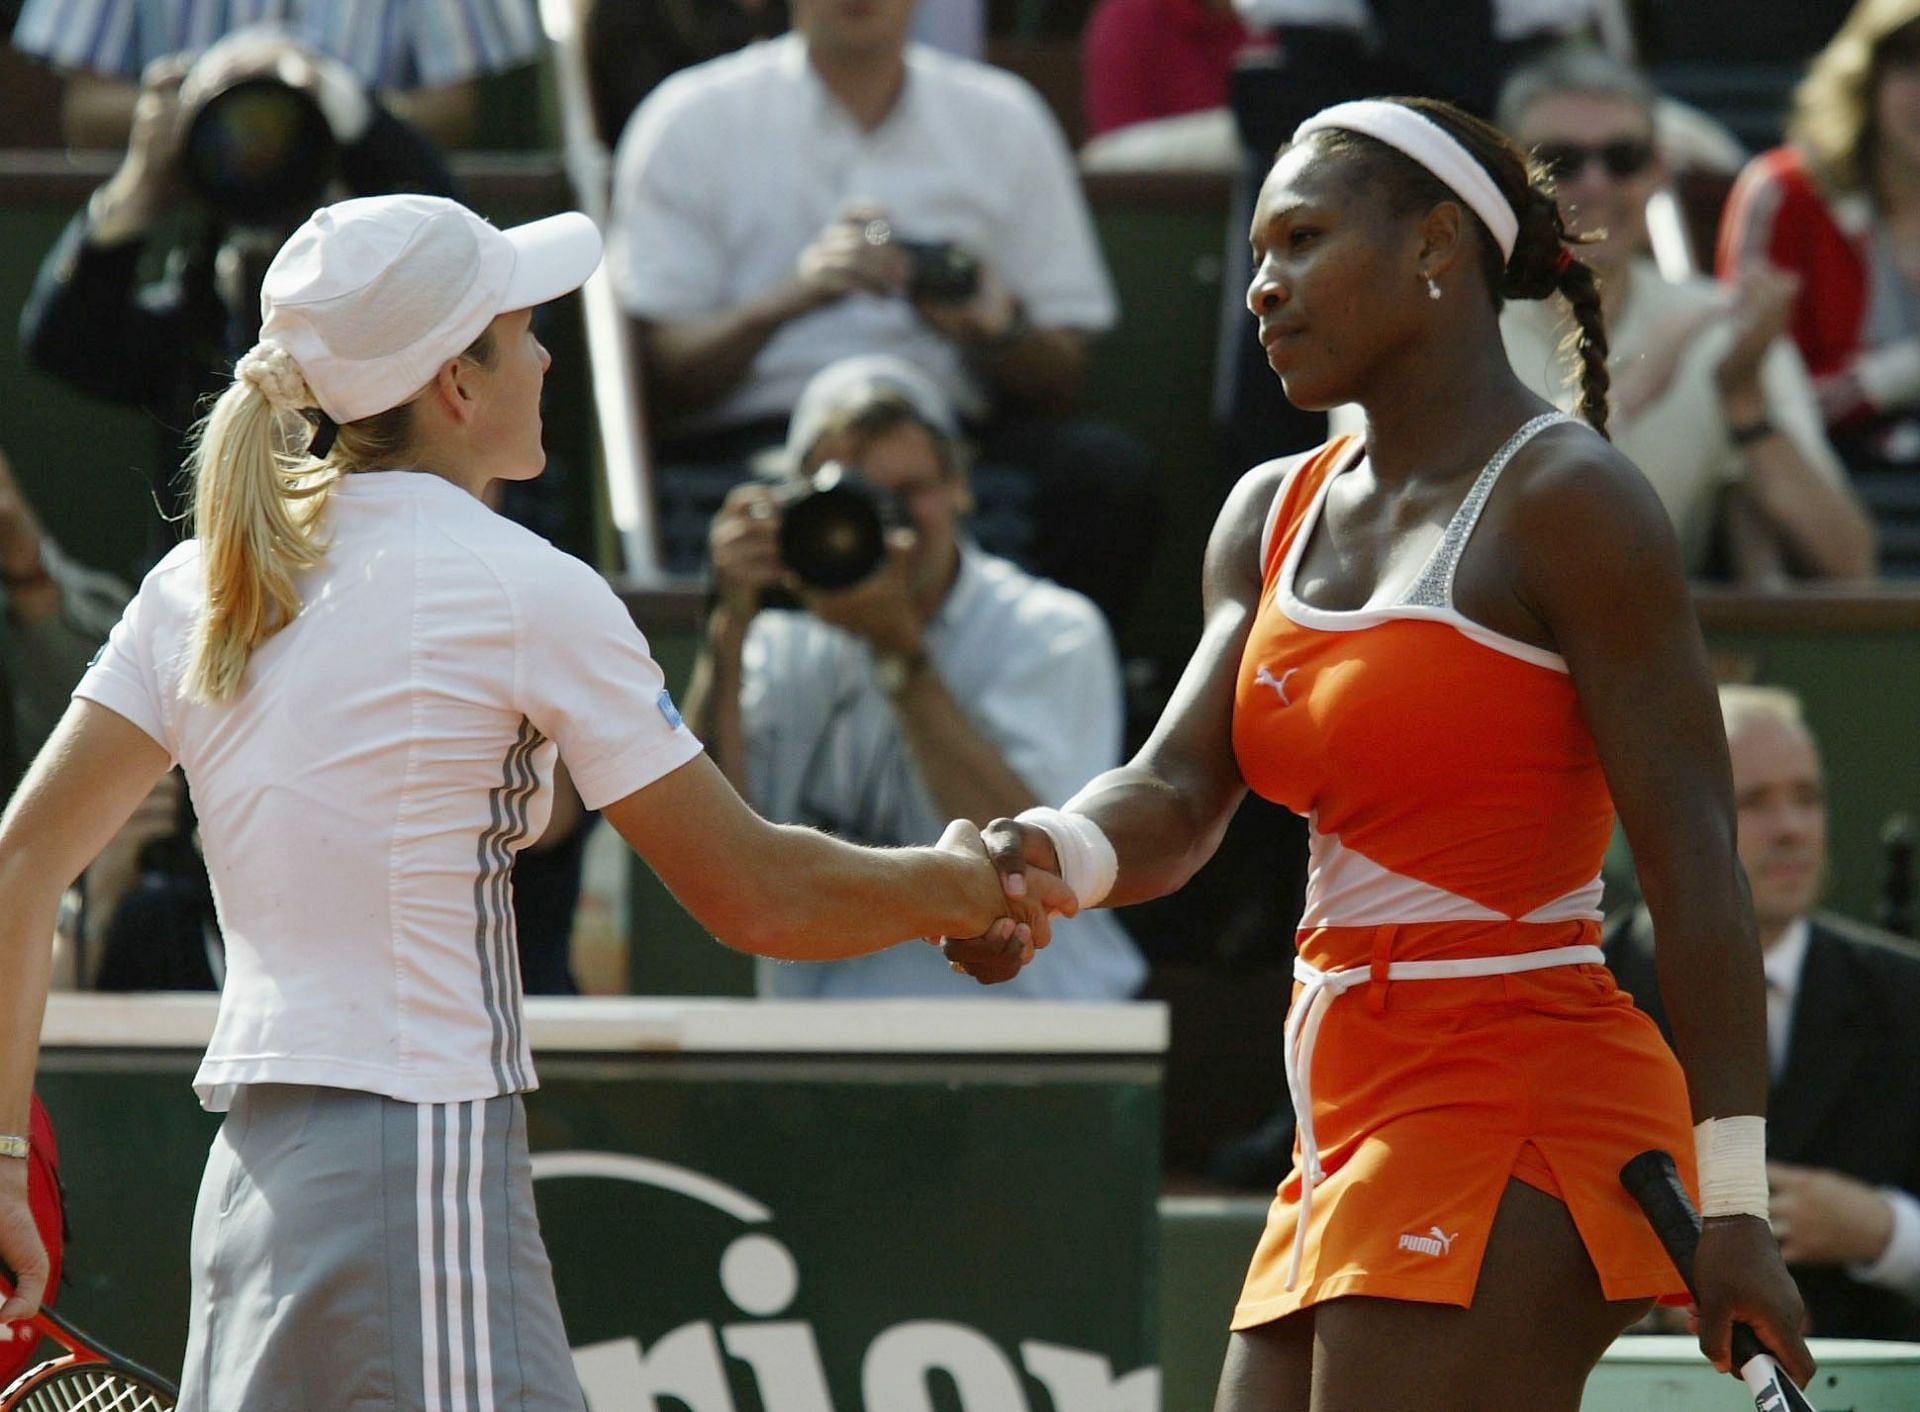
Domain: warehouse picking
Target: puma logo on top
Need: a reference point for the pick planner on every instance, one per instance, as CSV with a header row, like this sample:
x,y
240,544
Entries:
x,y
1279,683
1434,1242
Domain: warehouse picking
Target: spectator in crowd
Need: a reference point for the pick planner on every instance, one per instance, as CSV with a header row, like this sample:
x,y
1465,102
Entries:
x,y
634,44
421,56
945,684
89,320
1839,207
1843,1121
1708,398
1149,59
54,614
839,191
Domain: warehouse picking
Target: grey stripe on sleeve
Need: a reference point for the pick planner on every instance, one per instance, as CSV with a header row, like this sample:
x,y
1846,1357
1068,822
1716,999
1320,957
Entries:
x,y
509,942
492,906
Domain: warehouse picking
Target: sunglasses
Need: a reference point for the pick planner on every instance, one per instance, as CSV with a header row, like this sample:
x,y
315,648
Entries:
x,y
1625,158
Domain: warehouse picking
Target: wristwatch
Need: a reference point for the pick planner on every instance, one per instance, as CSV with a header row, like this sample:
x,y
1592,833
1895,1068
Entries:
x,y
15,1147
893,670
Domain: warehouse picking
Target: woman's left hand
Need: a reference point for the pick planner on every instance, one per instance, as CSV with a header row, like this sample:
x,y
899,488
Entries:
x,y
1738,1274
1024,924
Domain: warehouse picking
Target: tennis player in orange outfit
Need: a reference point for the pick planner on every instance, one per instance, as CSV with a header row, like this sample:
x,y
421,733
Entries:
x,y
1455,646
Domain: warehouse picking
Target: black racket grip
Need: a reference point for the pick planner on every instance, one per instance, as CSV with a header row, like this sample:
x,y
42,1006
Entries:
x,y
1653,1180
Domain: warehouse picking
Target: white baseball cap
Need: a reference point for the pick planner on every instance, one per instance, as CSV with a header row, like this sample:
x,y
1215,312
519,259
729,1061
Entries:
x,y
843,384
371,296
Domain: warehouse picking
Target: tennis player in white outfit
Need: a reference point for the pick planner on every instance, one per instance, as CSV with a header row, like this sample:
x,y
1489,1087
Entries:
x,y
367,676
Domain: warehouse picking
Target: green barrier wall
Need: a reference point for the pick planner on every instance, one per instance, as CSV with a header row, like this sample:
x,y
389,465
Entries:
x,y
970,1230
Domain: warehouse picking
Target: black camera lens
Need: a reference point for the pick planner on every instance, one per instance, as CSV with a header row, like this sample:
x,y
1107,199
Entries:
x,y
833,528
259,152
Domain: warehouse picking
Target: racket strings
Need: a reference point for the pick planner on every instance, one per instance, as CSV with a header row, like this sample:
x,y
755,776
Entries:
x,y
89,1388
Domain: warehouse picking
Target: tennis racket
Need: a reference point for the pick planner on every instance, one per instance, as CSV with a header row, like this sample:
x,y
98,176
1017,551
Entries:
x,y
88,1378
1654,1182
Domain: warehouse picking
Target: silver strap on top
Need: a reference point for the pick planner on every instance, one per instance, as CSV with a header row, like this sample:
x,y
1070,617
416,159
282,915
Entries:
x,y
1434,587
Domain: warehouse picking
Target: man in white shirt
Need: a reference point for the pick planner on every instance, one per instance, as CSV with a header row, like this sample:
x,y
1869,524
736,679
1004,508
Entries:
x,y
1843,1039
943,684
766,206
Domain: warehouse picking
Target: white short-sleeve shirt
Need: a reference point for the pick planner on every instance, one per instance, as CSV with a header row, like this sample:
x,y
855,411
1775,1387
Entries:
x,y
389,44
1033,666
729,169
362,798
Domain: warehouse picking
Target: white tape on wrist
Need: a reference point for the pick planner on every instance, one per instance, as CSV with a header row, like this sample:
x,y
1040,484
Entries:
x,y
1732,1154
1088,863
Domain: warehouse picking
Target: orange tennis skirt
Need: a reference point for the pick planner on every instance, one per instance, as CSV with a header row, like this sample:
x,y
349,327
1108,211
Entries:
x,y
1429,1095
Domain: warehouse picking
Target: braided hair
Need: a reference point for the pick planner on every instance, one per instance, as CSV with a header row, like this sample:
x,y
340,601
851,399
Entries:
x,y
1543,262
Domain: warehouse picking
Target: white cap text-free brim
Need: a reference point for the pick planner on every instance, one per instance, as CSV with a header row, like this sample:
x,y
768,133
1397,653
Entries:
x,y
551,257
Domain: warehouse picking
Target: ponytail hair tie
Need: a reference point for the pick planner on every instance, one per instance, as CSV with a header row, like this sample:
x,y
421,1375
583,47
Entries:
x,y
1563,261
272,370
325,429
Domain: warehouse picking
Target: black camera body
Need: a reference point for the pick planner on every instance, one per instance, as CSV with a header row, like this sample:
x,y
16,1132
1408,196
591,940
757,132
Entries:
x,y
943,273
259,152
833,526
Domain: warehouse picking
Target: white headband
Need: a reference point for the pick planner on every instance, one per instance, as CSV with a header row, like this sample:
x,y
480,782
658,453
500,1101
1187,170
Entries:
x,y
1434,148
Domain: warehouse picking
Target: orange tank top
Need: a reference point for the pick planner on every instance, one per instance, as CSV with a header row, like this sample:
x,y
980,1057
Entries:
x,y
1446,772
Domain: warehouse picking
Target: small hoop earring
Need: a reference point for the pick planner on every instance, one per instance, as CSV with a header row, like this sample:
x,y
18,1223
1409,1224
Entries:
x,y
1433,288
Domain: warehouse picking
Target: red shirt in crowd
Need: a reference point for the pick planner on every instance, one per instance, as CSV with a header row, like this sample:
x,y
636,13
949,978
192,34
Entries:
x,y
1778,215
1156,58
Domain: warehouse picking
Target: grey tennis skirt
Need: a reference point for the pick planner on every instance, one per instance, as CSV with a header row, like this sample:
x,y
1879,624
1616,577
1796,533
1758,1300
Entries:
x,y
352,1252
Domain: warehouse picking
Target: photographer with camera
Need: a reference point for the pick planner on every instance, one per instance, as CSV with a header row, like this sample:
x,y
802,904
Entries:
x,y
919,679
229,152
841,191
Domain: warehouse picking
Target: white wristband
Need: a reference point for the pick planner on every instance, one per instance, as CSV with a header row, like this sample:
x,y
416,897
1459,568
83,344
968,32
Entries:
x,y
1732,1155
1088,864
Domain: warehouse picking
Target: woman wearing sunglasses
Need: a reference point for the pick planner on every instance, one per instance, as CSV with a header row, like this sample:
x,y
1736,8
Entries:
x,y
1708,399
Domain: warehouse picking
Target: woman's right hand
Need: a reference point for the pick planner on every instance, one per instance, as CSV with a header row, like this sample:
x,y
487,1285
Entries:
x,y
1738,1274
20,1248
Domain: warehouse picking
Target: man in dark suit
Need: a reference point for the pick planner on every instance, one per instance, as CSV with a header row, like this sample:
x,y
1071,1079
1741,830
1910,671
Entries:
x,y
1843,1039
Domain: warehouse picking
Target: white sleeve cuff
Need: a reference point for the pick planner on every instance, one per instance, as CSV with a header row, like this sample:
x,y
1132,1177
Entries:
x,y
1898,1266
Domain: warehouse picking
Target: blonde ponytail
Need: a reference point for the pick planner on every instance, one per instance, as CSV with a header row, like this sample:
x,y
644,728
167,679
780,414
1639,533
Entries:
x,y
259,497
257,502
